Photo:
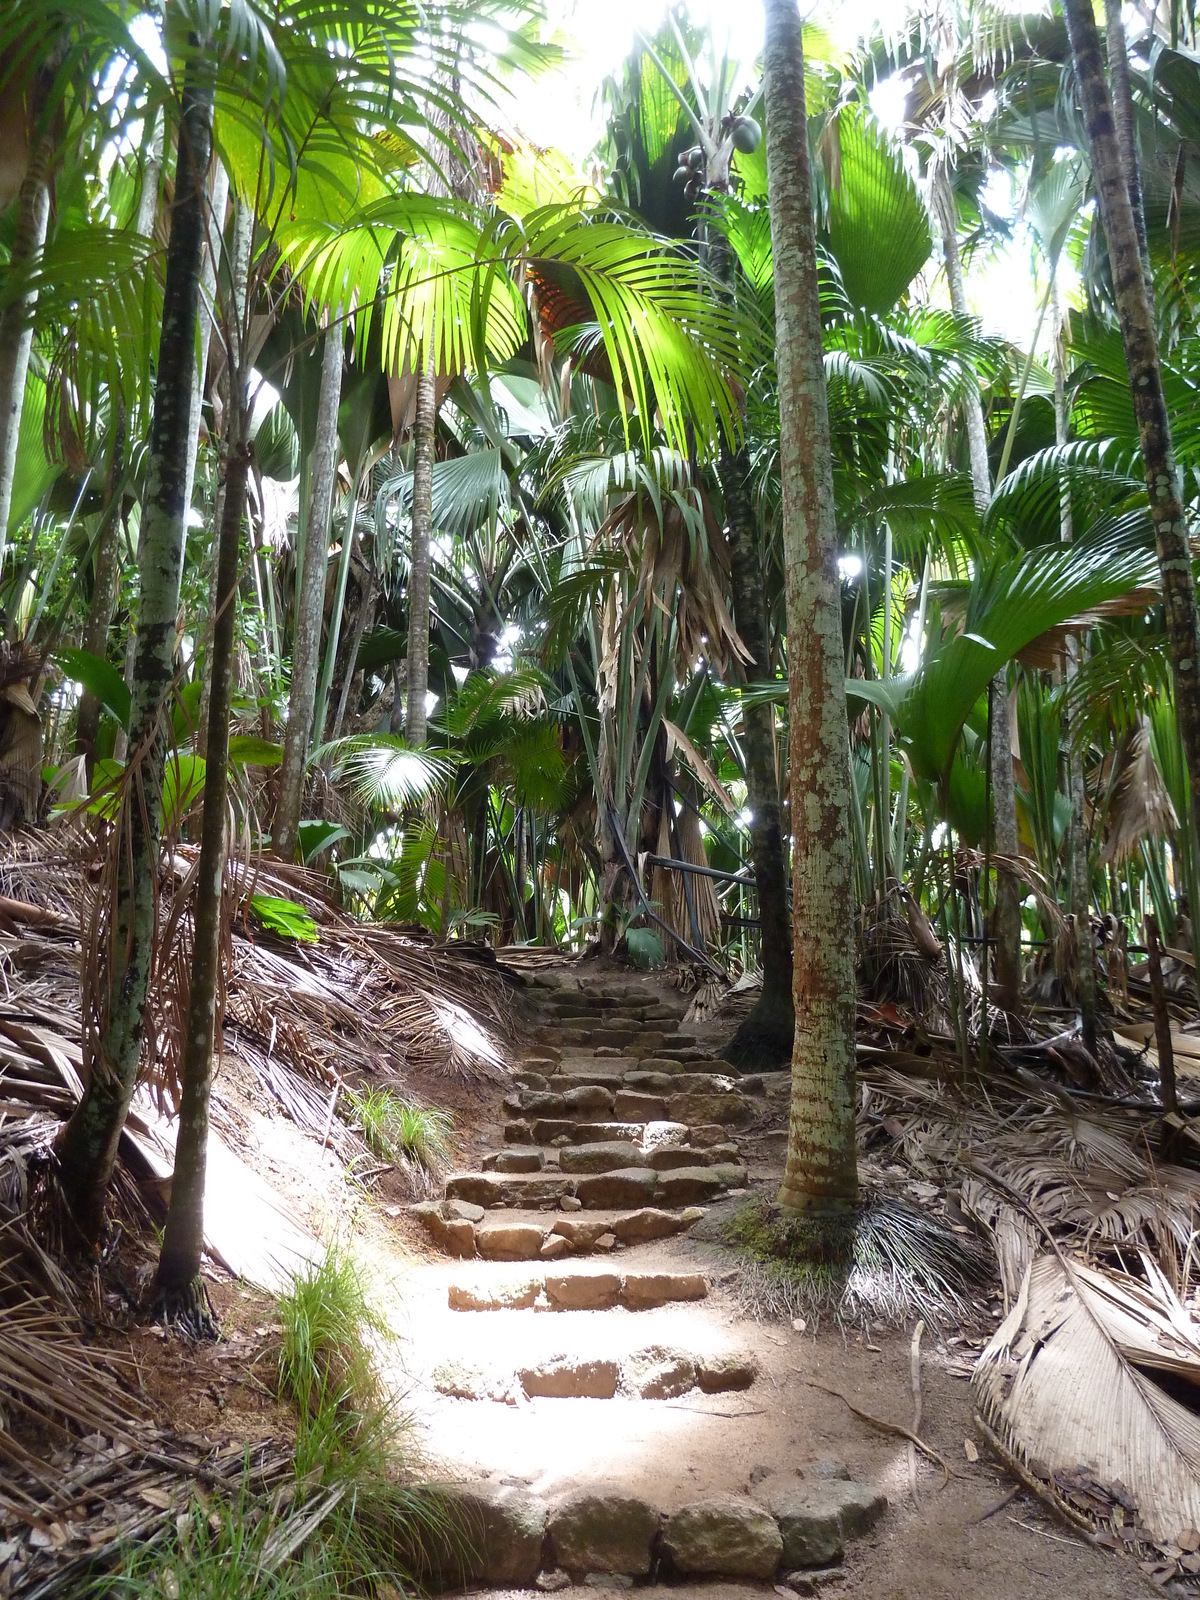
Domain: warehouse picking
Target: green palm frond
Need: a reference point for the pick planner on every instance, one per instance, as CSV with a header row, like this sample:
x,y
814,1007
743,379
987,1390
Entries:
x,y
385,772
872,198
468,491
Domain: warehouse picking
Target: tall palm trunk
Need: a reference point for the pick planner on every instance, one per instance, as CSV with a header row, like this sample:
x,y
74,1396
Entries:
x,y
822,1170
1006,913
16,321
104,588
767,1034
1145,379
1125,126
179,1262
88,1148
177,1291
424,424
310,608
1080,881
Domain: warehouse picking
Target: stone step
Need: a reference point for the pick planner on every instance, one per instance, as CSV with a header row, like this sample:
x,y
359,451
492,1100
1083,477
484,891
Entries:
x,y
657,1372
613,1155
580,1291
500,1536
553,1131
467,1231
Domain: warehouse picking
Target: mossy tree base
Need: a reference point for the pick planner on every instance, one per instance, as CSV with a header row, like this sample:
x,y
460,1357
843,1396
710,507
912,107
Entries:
x,y
764,1039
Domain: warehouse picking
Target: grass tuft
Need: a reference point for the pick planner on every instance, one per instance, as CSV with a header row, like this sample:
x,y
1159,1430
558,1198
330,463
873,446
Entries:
x,y
888,1263
401,1131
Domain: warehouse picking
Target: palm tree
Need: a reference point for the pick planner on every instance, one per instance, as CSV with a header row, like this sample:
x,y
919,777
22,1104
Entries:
x,y
88,1148
1136,315
821,1175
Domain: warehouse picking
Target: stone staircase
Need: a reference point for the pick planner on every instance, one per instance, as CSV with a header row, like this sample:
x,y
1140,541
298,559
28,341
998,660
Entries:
x,y
620,1126
551,1350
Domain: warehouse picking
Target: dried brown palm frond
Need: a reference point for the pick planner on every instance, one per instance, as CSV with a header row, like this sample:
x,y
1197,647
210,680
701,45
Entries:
x,y
1139,805
901,960
1090,1388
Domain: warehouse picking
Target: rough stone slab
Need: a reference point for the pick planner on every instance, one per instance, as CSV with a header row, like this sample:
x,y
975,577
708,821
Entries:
x,y
455,1235
649,1041
648,1082
518,1133
637,1227
537,1103
580,1233
658,1373
486,1534
462,1211
565,1378
632,1106
582,1291
516,1189
662,1135
669,1066
499,1297
588,1098
615,1191
816,1518
725,1537
530,1080
603,1533
546,1129
690,1186
671,1157
705,1083
606,1132
527,1158
596,1077
725,1374
607,1157
554,1246
641,1291
731,1110
509,1241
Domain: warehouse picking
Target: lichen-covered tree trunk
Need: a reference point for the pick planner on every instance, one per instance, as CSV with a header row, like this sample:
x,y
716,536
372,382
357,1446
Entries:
x,y
1136,317
105,586
16,321
306,642
766,1036
88,1147
424,424
1006,913
821,1176
179,1262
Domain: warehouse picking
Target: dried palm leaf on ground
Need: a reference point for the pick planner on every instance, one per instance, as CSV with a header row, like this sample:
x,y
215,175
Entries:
x,y
1090,1389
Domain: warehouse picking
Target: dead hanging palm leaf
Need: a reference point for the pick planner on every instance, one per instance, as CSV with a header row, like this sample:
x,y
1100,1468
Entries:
x,y
1073,1391
1139,806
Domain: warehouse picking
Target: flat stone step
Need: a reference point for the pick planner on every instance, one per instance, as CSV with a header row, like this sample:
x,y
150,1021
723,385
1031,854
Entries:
x,y
574,1076
517,1159
467,1231
613,1155
519,1190
615,1188
571,1290
656,1372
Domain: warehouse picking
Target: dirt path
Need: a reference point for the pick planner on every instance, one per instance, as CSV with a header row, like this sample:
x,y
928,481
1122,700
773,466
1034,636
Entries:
x,y
684,1403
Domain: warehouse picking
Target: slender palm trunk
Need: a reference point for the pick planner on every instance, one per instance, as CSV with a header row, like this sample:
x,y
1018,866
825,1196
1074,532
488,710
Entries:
x,y
1006,914
364,619
1145,379
179,1262
242,244
105,586
418,575
1125,126
310,608
767,1034
822,1170
16,321
88,1148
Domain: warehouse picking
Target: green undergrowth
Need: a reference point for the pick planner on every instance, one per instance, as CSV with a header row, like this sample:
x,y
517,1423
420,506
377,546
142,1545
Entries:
x,y
396,1129
347,1525
881,1264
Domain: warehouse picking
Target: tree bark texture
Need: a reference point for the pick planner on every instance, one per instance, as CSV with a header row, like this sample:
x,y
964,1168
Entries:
x,y
88,1148
1126,127
822,1169
183,1241
1145,379
105,586
310,609
1080,879
235,314
418,573
16,321
1006,913
770,1027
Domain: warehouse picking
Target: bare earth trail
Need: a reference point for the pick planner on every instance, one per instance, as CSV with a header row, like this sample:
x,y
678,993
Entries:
x,y
571,1355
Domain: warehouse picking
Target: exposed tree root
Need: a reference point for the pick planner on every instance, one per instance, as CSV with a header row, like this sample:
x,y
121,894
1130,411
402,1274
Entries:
x,y
187,1308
